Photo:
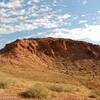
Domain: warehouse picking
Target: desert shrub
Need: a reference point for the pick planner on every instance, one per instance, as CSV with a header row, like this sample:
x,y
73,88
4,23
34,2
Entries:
x,y
55,88
3,85
37,91
97,92
92,94
26,94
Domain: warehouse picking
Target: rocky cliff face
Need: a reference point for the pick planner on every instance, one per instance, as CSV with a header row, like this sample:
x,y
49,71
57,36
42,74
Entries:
x,y
64,54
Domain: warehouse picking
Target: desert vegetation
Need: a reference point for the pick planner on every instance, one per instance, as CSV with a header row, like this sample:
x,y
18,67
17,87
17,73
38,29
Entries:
x,y
3,85
50,75
52,90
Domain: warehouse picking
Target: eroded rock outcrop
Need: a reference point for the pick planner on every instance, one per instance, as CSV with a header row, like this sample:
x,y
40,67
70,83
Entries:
x,y
64,54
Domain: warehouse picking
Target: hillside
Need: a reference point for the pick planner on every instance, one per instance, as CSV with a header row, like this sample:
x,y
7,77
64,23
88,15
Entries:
x,y
67,68
52,53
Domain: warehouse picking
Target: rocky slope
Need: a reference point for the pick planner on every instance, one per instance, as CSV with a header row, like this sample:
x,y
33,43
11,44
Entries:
x,y
66,55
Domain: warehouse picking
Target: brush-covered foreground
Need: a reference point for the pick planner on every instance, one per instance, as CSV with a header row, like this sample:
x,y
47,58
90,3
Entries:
x,y
50,69
48,85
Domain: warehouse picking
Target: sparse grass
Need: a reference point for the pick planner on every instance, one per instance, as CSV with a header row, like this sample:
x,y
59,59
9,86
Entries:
x,y
50,90
97,92
94,94
37,91
50,83
56,88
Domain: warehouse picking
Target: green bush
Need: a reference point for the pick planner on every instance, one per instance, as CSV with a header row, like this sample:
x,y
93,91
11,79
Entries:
x,y
37,91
